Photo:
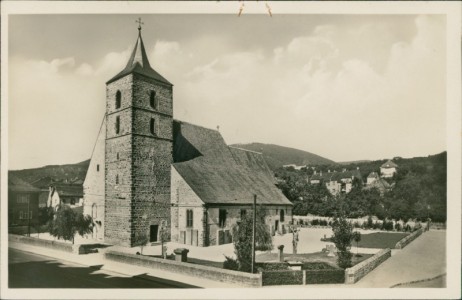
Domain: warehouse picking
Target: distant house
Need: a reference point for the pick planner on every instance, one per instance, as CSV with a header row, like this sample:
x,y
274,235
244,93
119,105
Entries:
x,y
388,169
23,202
380,184
337,182
66,194
43,184
372,177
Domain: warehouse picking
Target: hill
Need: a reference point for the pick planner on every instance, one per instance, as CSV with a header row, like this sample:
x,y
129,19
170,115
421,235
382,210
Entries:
x,y
277,156
59,172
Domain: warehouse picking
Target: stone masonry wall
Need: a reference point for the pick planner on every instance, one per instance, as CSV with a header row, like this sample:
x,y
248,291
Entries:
x,y
360,270
94,187
118,165
184,198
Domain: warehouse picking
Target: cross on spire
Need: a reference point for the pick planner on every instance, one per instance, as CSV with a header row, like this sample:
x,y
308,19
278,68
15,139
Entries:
x,y
139,23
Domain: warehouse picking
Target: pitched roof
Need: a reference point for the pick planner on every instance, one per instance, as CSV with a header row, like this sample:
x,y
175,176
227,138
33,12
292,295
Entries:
x,y
69,190
15,184
139,63
373,175
336,176
381,184
220,174
389,164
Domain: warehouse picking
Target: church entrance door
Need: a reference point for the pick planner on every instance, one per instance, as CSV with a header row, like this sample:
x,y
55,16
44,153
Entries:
x,y
153,233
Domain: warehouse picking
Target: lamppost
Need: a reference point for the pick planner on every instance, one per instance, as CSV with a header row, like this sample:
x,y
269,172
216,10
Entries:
x,y
28,215
253,232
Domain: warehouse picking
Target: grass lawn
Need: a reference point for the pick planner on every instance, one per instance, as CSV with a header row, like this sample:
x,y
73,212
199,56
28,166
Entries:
x,y
310,257
380,240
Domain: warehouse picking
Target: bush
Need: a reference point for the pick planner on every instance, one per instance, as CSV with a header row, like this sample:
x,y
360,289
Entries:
x,y
325,276
398,226
285,277
315,222
230,264
273,266
323,223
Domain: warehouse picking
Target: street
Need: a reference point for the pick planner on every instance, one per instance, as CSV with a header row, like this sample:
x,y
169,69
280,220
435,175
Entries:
x,y
28,270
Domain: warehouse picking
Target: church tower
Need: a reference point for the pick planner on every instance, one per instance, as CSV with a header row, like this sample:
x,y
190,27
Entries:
x,y
138,152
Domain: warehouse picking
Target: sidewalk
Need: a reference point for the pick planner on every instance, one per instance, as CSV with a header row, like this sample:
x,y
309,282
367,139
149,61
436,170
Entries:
x,y
125,270
423,258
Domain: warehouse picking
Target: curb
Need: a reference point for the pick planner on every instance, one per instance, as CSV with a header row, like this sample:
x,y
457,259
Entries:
x,y
418,281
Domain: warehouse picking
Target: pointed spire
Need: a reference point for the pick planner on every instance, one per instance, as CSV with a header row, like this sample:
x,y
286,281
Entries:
x,y
138,62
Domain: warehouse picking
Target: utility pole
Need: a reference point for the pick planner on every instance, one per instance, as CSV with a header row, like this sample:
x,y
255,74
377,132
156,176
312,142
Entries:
x,y
253,231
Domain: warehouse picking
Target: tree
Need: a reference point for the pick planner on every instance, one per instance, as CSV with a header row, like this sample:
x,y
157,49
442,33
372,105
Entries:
x,y
242,238
68,222
342,237
140,239
357,239
45,215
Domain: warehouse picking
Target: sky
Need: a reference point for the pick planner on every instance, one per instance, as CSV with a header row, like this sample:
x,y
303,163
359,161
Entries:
x,y
345,87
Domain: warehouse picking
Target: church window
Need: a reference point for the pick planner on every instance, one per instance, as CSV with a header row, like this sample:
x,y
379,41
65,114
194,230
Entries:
x,y
117,179
222,217
117,125
117,155
118,99
189,218
97,168
152,126
153,100
281,215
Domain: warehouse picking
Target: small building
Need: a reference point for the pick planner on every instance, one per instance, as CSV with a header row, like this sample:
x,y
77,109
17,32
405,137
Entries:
x,y
337,182
388,169
372,177
23,202
380,184
66,194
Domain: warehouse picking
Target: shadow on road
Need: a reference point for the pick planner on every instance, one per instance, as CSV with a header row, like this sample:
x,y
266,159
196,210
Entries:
x,y
53,274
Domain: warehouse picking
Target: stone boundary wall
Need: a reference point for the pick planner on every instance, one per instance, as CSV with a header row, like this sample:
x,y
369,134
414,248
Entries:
x,y
360,270
241,278
55,245
406,240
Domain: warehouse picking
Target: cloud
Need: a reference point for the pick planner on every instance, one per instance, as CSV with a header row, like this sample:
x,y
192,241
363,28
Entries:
x,y
321,92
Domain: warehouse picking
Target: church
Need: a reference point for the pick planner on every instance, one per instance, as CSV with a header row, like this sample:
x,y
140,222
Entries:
x,y
151,174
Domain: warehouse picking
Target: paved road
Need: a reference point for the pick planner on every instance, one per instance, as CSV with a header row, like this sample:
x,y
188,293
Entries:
x,y
423,258
28,270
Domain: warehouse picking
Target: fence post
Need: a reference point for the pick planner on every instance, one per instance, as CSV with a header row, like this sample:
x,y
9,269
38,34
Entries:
x,y
304,277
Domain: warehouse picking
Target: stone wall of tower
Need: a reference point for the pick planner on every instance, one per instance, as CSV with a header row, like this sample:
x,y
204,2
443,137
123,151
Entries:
x,y
118,164
152,157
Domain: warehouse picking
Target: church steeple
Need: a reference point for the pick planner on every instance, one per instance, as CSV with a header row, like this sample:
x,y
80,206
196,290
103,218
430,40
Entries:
x,y
139,63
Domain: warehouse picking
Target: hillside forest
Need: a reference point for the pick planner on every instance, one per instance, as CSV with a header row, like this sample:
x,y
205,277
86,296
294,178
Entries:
x,y
419,191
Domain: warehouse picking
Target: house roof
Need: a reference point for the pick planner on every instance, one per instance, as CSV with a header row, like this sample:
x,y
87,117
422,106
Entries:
x,y
15,184
381,184
389,164
373,175
220,174
336,176
139,63
69,190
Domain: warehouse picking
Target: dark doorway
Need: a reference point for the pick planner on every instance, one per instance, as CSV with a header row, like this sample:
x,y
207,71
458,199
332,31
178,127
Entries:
x,y
153,233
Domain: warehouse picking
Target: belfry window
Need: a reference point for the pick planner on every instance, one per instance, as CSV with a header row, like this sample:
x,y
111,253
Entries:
x,y
118,99
152,126
153,100
117,125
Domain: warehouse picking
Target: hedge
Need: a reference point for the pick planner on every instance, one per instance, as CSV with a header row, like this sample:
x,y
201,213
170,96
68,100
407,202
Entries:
x,y
324,276
272,266
282,277
317,266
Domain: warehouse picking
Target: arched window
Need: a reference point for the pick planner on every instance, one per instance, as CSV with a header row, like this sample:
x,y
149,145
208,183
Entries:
x,y
117,179
153,100
117,125
118,99
152,126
